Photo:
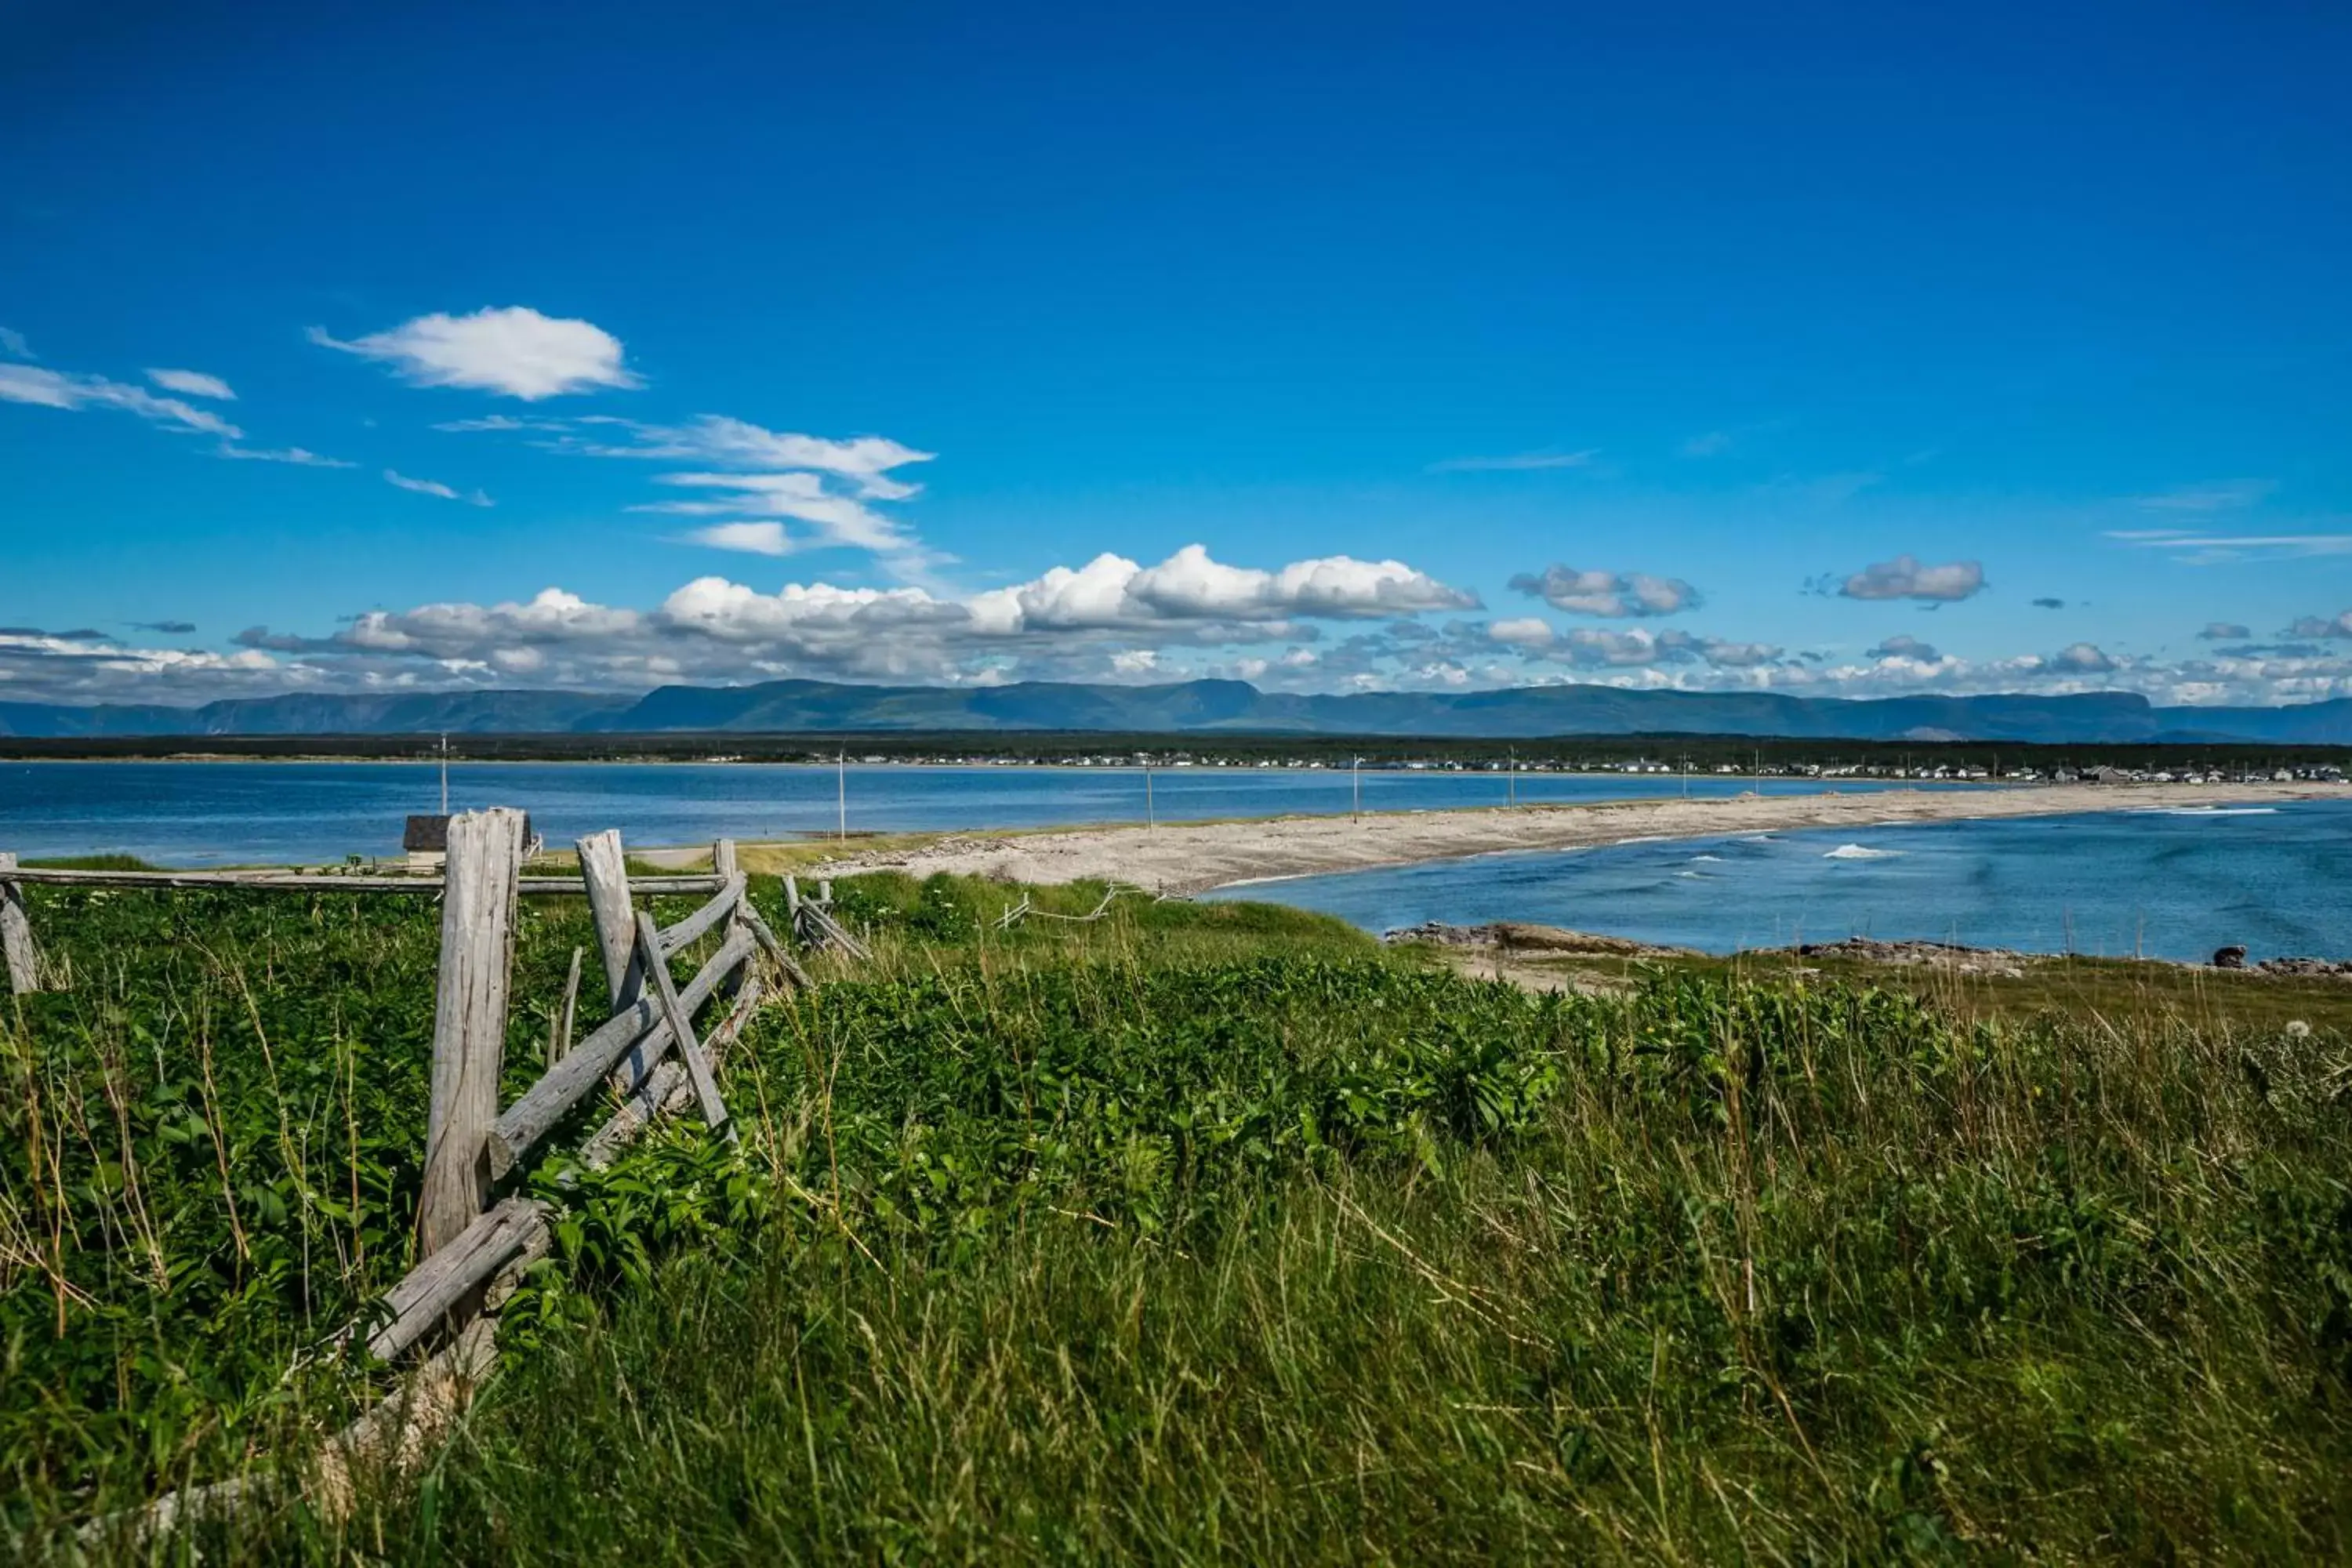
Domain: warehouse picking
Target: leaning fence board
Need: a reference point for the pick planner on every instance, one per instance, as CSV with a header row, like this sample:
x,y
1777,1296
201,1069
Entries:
x,y
469,1020
639,1029
668,1089
831,932
23,958
443,1282
681,1024
675,937
775,950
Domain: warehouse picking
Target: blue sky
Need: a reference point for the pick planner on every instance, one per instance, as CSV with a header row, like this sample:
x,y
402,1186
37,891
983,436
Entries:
x,y
1826,348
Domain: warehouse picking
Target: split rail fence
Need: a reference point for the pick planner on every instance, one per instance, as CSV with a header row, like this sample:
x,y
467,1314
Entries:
x,y
472,1250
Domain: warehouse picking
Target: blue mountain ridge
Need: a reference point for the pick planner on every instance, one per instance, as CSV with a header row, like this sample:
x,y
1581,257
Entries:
x,y
1197,706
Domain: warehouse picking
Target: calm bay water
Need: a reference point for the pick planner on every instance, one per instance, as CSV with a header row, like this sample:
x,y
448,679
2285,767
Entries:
x,y
2170,884
211,814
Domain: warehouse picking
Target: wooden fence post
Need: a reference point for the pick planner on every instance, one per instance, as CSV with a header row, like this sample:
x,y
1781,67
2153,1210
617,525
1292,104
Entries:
x,y
16,933
469,1020
605,870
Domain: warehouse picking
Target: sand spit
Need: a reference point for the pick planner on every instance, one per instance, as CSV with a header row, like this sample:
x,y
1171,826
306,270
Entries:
x,y
1190,858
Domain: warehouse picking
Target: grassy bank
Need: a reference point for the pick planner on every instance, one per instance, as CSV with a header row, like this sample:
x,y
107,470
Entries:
x,y
1212,1231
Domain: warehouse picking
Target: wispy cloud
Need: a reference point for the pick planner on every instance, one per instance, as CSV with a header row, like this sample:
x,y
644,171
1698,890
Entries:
x,y
192,384
2226,495
2224,631
300,457
1711,444
169,628
58,389
1515,462
505,422
513,350
2049,604
2220,549
13,345
434,488
751,538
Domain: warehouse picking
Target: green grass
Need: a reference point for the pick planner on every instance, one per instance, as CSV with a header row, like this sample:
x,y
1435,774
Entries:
x,y
1215,1232
91,863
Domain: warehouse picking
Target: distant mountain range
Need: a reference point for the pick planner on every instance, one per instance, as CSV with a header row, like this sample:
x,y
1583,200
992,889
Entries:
x,y
1522,712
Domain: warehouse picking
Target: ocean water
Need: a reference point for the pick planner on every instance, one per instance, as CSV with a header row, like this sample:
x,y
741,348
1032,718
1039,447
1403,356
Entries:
x,y
2165,884
212,813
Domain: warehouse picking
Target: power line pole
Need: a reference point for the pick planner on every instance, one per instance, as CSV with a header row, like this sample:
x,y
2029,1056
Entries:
x,y
445,772
1356,776
841,790
1151,813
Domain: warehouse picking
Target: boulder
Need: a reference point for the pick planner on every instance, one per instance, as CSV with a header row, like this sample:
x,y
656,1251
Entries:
x,y
2229,958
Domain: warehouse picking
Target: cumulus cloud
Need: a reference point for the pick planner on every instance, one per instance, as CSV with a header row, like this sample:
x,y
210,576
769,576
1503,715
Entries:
x,y
58,389
1906,577
2306,627
192,384
434,488
2224,631
1902,647
1527,631
513,350
1516,462
1610,595
1111,591
2082,658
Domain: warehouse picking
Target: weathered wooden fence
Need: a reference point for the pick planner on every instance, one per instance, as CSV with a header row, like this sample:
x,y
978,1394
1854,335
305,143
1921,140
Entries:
x,y
472,1250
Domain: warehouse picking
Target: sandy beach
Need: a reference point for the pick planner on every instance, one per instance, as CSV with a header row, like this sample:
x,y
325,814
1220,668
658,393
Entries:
x,y
1191,857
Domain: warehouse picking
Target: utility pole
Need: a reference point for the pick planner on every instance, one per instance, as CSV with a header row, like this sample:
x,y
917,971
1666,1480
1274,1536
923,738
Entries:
x,y
445,772
1151,813
841,790
1356,774
1514,775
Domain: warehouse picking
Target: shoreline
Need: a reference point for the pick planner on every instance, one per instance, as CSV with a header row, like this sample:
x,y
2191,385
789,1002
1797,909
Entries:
x,y
1198,858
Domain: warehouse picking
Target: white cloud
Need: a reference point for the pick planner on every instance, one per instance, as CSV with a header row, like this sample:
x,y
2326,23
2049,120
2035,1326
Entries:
x,y
2082,658
1527,631
58,389
434,488
1905,577
1611,594
1515,462
2225,631
838,518
301,458
2219,548
13,345
514,351
714,438
2228,495
1111,591
192,384
752,538
1904,646
504,422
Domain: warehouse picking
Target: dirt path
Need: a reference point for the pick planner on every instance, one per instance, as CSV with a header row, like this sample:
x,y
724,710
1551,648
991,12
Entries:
x,y
1194,857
